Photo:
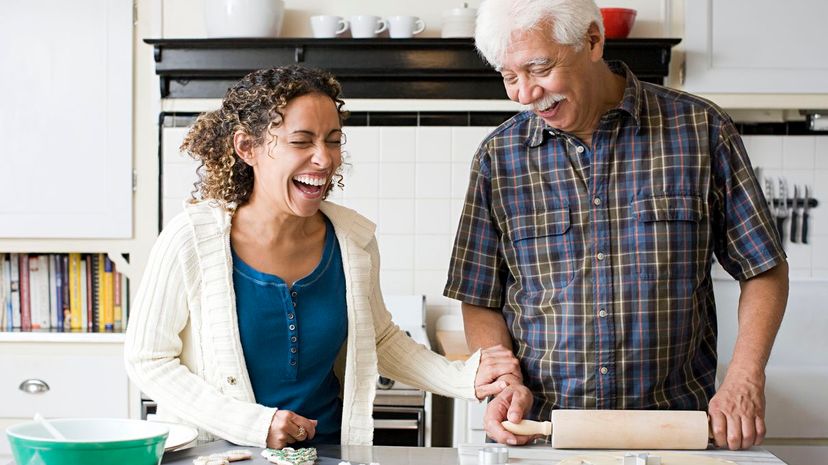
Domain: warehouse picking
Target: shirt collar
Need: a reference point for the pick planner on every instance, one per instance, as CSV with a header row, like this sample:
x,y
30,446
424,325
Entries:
x,y
539,131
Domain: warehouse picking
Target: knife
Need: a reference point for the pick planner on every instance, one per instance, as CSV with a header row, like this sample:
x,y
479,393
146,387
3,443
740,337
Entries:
x,y
794,213
781,209
805,215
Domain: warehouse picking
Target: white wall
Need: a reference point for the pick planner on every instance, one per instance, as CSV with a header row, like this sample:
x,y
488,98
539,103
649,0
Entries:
x,y
183,18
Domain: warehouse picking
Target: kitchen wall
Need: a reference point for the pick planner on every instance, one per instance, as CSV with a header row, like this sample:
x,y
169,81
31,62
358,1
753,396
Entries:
x,y
183,18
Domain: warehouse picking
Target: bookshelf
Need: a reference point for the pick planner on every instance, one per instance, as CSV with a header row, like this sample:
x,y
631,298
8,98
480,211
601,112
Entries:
x,y
89,187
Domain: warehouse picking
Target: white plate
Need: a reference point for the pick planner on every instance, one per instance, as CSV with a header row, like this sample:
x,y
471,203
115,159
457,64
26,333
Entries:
x,y
180,435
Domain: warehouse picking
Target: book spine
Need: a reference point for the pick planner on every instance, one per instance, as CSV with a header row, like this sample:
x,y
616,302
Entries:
x,y
53,301
97,299
75,292
84,310
25,293
67,317
119,322
6,301
109,313
90,297
14,259
59,316
39,289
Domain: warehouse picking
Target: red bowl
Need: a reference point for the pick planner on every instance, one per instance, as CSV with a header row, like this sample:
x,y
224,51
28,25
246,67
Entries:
x,y
618,22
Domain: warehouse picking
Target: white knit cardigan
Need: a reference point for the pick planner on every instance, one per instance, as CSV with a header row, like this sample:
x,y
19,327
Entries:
x,y
183,348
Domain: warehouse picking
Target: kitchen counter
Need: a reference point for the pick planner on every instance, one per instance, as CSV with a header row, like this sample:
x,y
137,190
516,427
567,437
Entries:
x,y
465,455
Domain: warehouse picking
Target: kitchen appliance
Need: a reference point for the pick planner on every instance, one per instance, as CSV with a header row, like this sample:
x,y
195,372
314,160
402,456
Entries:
x,y
402,413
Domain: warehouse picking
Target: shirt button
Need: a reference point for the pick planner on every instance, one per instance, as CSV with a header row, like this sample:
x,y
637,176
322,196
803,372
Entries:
x,y
293,350
294,304
292,327
580,149
600,256
231,380
293,339
294,293
290,316
596,201
293,362
604,370
602,313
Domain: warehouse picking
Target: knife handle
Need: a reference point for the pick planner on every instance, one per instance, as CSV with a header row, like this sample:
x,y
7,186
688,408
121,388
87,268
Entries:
x,y
794,215
805,227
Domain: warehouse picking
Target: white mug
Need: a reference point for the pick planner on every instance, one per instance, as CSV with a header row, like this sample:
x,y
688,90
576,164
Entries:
x,y
327,26
366,26
400,27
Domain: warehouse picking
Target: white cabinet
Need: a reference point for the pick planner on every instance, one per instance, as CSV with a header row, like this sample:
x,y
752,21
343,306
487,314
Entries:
x,y
61,375
66,119
756,46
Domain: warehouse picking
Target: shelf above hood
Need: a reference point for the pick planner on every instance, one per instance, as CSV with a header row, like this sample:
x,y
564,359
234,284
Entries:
x,y
427,68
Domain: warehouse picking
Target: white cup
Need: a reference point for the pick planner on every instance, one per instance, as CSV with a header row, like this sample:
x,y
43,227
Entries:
x,y
367,26
243,18
400,27
327,26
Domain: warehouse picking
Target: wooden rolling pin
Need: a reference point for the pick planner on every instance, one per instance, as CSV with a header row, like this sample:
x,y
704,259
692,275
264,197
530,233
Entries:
x,y
620,429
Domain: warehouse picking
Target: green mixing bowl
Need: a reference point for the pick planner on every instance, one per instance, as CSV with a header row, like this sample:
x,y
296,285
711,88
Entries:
x,y
98,441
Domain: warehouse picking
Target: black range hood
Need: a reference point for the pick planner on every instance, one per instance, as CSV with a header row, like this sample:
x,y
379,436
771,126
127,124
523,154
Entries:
x,y
422,68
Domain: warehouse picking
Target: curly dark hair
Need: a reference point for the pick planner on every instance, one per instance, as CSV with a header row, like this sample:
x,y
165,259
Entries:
x,y
252,105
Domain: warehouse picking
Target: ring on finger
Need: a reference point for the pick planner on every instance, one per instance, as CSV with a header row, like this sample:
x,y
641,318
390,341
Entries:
x,y
302,433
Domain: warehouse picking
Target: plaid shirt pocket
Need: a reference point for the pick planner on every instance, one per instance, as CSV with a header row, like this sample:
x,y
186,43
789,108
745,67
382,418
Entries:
x,y
539,248
667,236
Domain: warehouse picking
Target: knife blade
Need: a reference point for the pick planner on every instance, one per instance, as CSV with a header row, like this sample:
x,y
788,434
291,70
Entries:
x,y
781,209
805,209
794,214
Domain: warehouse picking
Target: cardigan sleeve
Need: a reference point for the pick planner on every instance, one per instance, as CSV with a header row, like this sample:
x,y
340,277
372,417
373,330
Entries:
x,y
402,359
152,351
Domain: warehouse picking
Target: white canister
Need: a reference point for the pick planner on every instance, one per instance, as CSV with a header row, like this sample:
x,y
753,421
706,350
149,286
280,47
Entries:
x,y
459,22
243,18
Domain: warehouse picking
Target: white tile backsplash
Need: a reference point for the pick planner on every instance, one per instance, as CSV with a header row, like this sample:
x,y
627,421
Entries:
x,y
465,141
432,180
398,144
765,151
397,251
798,152
362,144
432,216
433,144
360,179
396,180
396,216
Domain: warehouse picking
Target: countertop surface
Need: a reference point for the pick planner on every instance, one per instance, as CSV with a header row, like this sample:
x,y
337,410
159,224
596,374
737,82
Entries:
x,y
465,455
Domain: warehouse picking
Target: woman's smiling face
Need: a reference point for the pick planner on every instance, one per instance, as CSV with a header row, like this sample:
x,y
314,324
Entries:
x,y
294,167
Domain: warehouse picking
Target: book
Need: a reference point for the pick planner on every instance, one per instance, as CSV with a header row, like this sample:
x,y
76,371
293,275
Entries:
x,y
75,309
39,291
108,294
118,309
25,292
5,290
14,289
64,266
84,310
53,295
90,298
59,272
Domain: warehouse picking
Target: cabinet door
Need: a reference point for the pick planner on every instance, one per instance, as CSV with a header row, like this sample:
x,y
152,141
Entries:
x,y
66,119
756,46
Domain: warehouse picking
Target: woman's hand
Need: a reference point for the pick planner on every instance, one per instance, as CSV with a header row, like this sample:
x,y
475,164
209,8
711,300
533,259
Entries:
x,y
498,369
287,428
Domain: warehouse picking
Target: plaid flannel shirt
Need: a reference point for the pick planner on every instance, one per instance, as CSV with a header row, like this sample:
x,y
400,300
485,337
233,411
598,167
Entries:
x,y
599,257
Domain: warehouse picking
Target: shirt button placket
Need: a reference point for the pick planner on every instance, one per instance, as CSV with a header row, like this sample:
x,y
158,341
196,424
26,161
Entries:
x,y
294,338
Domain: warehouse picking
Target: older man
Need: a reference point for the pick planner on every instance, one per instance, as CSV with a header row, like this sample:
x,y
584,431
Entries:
x,y
589,228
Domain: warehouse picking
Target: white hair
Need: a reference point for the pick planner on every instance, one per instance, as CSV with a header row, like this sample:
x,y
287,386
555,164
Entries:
x,y
497,20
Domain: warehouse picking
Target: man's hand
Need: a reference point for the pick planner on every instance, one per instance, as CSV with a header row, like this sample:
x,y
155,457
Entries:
x,y
498,369
512,403
737,411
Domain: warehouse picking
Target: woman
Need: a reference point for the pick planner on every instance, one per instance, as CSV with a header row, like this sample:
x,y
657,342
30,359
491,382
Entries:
x,y
260,319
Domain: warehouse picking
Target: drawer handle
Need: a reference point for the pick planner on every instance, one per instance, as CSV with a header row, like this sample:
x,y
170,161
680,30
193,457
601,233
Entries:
x,y
34,386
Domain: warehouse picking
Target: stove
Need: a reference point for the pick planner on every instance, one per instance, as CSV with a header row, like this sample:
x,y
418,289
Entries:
x,y
402,413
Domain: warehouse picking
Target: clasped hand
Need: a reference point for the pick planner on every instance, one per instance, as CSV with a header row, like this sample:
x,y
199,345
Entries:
x,y
498,368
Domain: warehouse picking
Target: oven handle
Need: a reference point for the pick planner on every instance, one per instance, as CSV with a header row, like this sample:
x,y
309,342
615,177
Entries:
x,y
396,424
